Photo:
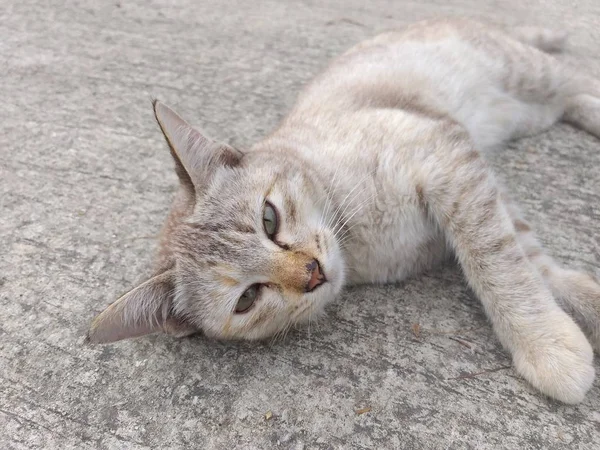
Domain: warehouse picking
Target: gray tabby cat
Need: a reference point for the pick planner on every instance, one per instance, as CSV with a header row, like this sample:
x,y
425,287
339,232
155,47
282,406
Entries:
x,y
376,175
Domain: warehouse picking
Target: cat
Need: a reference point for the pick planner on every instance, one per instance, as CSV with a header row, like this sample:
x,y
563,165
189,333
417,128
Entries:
x,y
378,174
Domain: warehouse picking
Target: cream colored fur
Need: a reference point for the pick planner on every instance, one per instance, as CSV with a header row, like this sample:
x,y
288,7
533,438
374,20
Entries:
x,y
378,174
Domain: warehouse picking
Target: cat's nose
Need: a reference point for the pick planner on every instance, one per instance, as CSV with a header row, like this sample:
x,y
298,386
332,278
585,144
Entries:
x,y
317,277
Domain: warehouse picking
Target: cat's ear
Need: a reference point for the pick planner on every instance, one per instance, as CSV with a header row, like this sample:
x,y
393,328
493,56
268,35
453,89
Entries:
x,y
143,310
196,156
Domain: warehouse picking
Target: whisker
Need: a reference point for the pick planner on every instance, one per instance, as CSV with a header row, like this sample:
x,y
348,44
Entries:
x,y
346,233
329,194
309,344
347,198
282,333
341,219
349,203
341,205
332,192
355,211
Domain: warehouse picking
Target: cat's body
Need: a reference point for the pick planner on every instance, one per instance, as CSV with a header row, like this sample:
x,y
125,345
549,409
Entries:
x,y
418,89
377,174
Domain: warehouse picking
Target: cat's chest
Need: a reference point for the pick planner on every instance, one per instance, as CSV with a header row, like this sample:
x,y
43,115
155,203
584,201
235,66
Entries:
x,y
391,241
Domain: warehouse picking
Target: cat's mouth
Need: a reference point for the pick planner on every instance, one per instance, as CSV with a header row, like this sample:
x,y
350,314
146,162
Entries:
x,y
317,276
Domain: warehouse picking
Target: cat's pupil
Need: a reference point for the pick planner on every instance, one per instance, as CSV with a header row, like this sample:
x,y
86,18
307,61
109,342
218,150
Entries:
x,y
270,220
247,299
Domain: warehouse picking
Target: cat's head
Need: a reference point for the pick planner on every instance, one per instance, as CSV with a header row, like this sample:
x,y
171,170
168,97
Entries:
x,y
248,249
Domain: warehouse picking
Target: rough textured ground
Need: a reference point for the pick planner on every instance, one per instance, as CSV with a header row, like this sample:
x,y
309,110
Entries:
x,y
85,181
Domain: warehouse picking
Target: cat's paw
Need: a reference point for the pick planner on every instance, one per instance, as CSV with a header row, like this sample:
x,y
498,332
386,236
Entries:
x,y
558,362
589,297
579,294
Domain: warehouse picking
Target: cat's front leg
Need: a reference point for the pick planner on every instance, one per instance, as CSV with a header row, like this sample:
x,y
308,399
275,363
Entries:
x,y
548,348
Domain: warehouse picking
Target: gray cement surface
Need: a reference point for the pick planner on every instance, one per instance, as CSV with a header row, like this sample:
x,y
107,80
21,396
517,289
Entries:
x,y
85,182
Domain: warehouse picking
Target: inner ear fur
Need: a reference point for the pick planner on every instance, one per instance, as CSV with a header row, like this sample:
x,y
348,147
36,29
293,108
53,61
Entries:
x,y
196,156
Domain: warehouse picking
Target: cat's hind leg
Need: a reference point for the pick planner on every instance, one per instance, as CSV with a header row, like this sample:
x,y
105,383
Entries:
x,y
578,293
577,96
532,89
548,348
547,40
583,111
519,90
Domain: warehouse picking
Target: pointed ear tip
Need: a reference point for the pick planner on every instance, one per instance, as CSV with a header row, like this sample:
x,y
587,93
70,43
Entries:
x,y
87,340
96,336
163,113
90,337
156,104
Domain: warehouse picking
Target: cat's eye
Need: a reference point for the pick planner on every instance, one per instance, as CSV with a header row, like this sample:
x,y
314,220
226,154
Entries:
x,y
270,222
247,299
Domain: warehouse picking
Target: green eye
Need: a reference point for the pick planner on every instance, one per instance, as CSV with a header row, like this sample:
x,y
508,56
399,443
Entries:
x,y
247,299
270,220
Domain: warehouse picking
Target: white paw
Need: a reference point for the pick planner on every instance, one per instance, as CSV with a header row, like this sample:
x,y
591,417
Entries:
x,y
558,361
580,294
590,297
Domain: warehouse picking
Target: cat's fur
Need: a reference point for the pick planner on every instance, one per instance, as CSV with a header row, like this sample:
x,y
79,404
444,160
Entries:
x,y
378,173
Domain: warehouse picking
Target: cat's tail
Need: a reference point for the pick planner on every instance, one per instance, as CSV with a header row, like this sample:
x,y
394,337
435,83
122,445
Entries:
x,y
550,41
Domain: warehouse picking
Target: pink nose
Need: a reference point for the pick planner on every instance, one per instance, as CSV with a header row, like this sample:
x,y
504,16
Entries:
x,y
317,278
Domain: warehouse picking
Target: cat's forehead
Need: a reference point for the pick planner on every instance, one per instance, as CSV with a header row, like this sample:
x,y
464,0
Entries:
x,y
209,246
242,193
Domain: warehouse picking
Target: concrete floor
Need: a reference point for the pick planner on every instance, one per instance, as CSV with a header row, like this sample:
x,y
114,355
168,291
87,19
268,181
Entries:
x,y
85,182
